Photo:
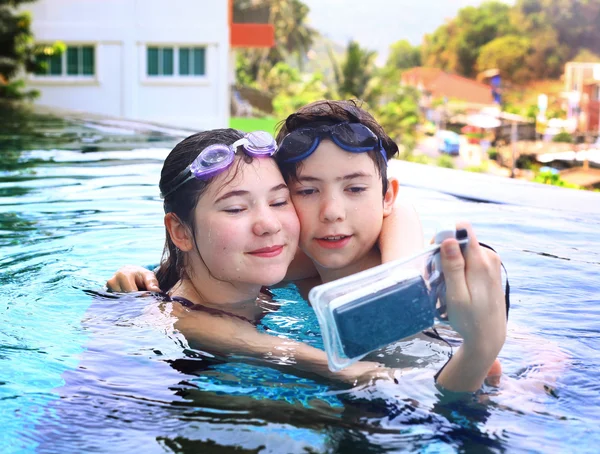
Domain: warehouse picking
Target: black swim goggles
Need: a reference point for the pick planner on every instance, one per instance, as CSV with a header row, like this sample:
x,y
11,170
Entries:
x,y
353,137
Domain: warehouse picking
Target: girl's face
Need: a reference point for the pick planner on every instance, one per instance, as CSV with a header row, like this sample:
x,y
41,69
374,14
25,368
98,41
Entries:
x,y
246,228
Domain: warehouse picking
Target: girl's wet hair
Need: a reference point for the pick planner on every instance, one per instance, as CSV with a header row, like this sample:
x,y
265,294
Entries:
x,y
329,113
182,202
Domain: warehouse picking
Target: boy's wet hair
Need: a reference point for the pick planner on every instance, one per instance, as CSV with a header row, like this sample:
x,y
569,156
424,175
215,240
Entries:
x,y
328,113
182,202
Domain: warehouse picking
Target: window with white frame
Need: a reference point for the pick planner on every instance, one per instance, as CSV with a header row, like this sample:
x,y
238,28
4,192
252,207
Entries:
x,y
75,61
173,61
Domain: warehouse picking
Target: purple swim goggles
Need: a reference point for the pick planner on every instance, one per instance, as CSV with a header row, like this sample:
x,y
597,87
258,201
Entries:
x,y
214,159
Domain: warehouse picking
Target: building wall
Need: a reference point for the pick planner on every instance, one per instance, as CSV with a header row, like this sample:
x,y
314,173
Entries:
x,y
120,30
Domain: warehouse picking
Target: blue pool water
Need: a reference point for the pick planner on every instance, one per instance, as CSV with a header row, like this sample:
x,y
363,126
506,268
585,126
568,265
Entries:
x,y
85,372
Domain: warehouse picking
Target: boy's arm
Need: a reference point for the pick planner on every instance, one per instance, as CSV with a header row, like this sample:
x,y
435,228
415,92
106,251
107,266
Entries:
x,y
476,311
132,278
401,234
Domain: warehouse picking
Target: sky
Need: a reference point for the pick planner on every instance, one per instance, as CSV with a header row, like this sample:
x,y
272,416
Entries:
x,y
376,24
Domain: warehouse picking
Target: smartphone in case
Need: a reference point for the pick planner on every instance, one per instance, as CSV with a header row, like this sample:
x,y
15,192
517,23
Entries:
x,y
375,316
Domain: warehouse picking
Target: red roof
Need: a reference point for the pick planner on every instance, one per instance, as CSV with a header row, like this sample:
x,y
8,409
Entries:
x,y
442,84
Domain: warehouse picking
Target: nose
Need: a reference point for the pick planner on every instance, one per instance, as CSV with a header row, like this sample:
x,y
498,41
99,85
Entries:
x,y
266,223
332,210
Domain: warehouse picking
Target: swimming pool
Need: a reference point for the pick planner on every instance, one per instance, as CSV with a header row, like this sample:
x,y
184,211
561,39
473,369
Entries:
x,y
81,372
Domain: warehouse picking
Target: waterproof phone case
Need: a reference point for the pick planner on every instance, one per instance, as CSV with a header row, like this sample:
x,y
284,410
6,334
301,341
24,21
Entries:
x,y
376,307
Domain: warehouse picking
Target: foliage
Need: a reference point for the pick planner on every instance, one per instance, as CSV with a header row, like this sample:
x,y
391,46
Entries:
x,y
556,112
293,38
526,162
280,78
455,46
563,136
481,168
243,73
575,23
532,111
418,159
17,50
404,55
399,117
554,180
445,161
508,54
532,39
352,76
299,93
493,154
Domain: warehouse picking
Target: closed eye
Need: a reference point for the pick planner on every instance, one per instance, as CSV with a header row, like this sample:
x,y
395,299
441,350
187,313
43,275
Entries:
x,y
356,189
305,192
234,210
280,204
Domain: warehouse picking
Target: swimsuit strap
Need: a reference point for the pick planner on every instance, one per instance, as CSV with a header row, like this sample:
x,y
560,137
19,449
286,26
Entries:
x,y
209,310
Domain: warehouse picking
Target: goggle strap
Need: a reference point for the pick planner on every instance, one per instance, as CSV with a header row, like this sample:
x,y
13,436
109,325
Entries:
x,y
180,180
382,151
240,142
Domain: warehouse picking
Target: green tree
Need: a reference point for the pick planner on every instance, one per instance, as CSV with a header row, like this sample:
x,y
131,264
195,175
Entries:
x,y
575,22
280,77
293,96
293,37
353,74
509,55
399,116
437,50
558,30
455,46
17,50
404,55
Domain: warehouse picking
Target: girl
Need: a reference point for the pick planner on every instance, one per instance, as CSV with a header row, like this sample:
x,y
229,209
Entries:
x,y
231,230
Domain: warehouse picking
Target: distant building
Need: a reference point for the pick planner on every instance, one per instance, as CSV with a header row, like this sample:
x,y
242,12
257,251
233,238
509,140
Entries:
x,y
150,60
435,83
582,93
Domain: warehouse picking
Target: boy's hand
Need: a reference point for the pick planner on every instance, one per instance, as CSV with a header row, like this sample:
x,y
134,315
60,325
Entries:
x,y
132,278
476,309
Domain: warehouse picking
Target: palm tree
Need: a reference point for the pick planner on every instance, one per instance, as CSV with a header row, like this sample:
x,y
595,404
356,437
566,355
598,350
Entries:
x,y
353,75
293,37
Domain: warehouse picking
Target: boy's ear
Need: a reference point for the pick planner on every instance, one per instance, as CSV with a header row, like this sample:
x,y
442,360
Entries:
x,y
390,196
179,233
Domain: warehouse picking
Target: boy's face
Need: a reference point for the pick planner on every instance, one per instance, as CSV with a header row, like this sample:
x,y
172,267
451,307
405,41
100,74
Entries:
x,y
339,201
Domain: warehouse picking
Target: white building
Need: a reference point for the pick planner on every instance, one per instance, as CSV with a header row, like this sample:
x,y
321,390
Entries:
x,y
159,61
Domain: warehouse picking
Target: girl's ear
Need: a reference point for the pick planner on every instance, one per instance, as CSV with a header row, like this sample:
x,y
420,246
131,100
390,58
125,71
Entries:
x,y
179,232
390,196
